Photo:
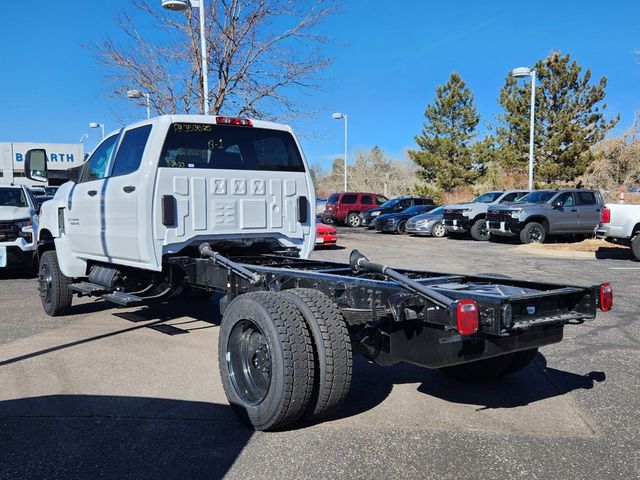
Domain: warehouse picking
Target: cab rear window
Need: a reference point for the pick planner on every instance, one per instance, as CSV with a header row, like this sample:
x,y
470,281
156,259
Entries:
x,y
220,147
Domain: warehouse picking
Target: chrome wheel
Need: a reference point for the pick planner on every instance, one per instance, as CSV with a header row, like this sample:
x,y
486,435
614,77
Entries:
x,y
438,230
249,362
46,281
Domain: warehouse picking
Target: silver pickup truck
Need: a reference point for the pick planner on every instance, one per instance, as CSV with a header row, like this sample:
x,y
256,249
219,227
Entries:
x,y
620,224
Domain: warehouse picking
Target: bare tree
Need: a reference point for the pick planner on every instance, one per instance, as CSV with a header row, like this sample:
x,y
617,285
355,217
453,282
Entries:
x,y
259,52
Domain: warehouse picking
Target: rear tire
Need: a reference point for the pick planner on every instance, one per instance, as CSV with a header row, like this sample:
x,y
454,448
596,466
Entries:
x,y
332,350
265,356
533,232
480,231
353,219
438,230
635,246
53,285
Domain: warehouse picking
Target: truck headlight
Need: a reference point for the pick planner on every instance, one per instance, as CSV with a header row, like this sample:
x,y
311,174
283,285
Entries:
x,y
465,211
516,213
375,214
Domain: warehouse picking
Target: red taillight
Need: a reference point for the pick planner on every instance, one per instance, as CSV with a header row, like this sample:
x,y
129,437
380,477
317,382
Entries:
x,y
242,122
468,317
606,215
606,297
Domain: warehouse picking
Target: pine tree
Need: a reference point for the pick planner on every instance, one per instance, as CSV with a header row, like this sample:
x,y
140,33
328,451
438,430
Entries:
x,y
446,155
569,121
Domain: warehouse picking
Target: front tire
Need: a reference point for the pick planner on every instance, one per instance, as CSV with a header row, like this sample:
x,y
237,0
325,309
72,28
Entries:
x,y
265,356
401,226
533,232
438,230
480,231
353,219
53,285
635,246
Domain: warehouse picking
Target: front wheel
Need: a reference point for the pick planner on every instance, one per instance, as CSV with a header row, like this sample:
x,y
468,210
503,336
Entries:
x,y
53,285
438,230
265,356
533,232
401,227
353,220
635,246
480,231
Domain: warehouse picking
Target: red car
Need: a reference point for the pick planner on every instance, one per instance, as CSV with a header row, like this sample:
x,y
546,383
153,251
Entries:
x,y
326,236
346,207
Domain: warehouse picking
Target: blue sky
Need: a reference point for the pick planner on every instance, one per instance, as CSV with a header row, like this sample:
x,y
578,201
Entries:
x,y
387,56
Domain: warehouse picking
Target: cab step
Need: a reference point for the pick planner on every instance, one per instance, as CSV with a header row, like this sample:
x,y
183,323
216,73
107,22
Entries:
x,y
123,299
88,288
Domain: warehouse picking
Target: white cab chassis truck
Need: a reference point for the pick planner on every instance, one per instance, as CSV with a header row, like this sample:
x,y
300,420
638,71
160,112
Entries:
x,y
202,204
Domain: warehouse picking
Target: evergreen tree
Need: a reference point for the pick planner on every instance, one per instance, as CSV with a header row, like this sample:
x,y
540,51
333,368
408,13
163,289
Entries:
x,y
446,154
569,121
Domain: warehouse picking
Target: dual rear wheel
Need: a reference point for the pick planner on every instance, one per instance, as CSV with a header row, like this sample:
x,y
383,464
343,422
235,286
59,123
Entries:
x,y
284,357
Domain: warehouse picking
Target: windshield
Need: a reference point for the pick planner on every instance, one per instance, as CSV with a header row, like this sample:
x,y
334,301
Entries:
x,y
541,196
390,203
488,197
333,198
12,197
224,147
415,210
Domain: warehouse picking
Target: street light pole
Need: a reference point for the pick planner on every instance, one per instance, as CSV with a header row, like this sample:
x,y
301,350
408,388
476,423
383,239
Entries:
x,y
343,116
98,125
521,72
180,5
531,126
139,94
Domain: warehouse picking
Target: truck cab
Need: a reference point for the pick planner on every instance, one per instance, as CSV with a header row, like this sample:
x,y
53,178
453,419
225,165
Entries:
x,y
158,187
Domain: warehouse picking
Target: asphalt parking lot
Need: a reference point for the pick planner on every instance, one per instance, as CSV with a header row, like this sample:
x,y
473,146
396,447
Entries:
x,y
135,393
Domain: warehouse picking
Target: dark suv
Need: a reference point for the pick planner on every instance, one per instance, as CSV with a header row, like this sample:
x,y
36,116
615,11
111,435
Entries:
x,y
395,205
547,212
347,207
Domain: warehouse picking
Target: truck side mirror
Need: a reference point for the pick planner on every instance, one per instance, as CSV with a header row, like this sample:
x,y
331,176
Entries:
x,y
35,165
558,204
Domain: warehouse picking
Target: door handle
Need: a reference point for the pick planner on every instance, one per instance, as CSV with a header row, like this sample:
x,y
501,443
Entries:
x,y
574,210
92,193
129,188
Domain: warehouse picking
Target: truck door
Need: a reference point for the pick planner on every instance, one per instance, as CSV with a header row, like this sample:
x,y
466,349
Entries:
x,y
589,210
564,218
121,197
85,207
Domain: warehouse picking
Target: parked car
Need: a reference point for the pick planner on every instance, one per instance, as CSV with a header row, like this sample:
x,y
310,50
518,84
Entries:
x,y
547,212
326,235
18,226
321,204
347,207
394,205
396,222
620,223
427,224
471,216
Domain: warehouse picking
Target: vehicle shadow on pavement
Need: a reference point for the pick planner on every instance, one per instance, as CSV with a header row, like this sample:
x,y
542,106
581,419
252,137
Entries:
x,y
92,436
372,384
613,253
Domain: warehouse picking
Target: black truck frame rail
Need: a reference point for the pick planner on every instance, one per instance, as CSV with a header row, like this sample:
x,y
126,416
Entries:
x,y
421,317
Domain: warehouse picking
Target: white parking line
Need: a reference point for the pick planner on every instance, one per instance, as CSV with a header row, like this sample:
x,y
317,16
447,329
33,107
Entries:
x,y
624,268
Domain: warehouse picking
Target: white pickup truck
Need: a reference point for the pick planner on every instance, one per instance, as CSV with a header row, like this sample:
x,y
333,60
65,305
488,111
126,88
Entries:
x,y
620,223
202,204
18,224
